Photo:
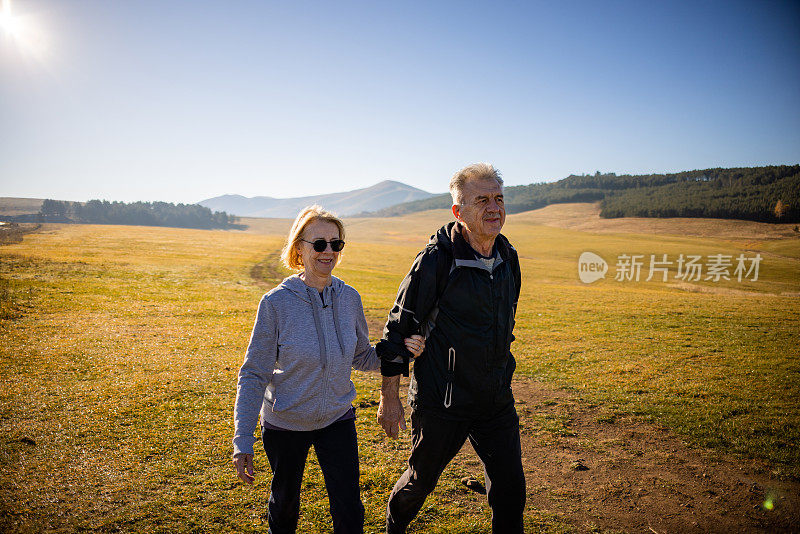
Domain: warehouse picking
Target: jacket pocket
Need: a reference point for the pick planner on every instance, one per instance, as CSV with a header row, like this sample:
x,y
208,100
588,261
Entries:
x,y
451,371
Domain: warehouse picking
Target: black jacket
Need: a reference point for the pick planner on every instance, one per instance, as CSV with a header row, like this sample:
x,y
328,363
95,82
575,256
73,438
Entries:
x,y
466,311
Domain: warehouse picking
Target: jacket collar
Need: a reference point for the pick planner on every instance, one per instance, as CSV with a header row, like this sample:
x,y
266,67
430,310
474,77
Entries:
x,y
464,254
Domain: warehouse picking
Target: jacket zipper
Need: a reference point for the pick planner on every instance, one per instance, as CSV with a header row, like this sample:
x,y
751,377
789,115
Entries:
x,y
494,320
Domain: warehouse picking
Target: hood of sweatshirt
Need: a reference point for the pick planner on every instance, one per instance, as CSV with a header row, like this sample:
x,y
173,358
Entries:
x,y
296,285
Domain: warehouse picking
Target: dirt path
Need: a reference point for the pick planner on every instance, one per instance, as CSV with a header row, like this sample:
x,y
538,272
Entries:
x,y
629,476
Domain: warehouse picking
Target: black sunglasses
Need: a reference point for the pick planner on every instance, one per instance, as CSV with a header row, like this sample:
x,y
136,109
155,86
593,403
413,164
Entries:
x,y
320,244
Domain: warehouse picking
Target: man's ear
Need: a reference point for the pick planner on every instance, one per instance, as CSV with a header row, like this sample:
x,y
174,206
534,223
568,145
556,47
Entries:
x,y
456,211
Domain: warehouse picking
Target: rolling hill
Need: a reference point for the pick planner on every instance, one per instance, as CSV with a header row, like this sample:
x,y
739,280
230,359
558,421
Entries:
x,y
15,206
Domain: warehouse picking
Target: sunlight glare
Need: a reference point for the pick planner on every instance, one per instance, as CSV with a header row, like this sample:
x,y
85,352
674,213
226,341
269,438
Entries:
x,y
24,31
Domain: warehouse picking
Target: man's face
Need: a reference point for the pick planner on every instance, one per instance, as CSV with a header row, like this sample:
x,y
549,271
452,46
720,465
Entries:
x,y
482,210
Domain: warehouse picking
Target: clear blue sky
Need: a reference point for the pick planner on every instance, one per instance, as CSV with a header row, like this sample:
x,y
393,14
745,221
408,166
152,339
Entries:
x,y
185,100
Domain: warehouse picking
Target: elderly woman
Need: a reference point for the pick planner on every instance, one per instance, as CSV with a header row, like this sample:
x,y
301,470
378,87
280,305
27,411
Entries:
x,y
309,332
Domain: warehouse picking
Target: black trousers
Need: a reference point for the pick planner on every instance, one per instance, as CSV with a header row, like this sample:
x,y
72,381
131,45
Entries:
x,y
436,441
336,447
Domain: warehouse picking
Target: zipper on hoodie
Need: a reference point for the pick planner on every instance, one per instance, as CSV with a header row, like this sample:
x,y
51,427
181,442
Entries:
x,y
325,367
319,325
323,324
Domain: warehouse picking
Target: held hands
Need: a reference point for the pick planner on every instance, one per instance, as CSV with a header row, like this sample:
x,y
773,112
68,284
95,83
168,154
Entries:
x,y
415,344
244,467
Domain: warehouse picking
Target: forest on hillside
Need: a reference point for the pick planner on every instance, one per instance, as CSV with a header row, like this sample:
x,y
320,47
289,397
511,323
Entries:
x,y
767,194
135,213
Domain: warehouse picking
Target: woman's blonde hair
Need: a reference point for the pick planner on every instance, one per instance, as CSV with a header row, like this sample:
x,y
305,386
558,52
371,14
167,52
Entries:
x,y
290,255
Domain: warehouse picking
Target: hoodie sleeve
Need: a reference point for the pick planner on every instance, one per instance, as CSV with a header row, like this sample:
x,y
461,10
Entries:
x,y
365,358
254,375
415,299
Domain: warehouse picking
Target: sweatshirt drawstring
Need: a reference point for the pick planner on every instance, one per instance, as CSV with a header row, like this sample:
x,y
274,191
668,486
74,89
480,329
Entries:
x,y
336,321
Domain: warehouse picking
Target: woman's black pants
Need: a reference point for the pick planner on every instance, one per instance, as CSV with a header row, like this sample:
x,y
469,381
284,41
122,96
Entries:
x,y
336,448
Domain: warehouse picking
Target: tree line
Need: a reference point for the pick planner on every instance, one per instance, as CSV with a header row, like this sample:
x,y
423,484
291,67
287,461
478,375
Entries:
x,y
768,194
135,213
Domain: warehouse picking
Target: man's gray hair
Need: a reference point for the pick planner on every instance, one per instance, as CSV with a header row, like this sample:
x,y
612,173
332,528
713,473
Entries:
x,y
476,171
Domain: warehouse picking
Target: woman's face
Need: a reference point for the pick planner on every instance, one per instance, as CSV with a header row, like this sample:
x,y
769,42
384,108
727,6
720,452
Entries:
x,y
319,264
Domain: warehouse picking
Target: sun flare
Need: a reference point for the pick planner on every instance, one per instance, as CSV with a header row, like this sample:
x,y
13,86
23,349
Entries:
x,y
23,30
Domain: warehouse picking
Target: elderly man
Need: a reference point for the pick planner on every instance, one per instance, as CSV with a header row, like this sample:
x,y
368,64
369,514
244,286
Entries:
x,y
461,293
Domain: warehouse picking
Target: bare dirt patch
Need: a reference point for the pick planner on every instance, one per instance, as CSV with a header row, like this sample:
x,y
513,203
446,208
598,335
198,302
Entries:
x,y
586,218
596,471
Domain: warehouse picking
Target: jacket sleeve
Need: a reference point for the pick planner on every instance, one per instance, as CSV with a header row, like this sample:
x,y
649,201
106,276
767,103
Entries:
x,y
517,272
415,299
254,375
365,357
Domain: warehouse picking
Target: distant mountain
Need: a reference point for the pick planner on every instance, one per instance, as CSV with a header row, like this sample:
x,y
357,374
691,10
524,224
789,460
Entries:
x,y
381,195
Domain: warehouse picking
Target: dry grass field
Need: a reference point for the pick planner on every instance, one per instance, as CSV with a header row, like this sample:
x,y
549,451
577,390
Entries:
x,y
120,347
586,217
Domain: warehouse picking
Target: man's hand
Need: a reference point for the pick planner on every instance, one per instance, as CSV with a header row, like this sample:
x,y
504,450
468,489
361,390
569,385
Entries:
x,y
415,345
244,467
391,415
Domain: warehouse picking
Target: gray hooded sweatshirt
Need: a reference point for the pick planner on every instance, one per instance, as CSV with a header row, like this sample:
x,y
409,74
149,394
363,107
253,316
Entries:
x,y
296,372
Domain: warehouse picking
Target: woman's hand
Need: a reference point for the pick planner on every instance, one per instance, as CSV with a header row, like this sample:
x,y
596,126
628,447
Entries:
x,y
415,344
244,467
